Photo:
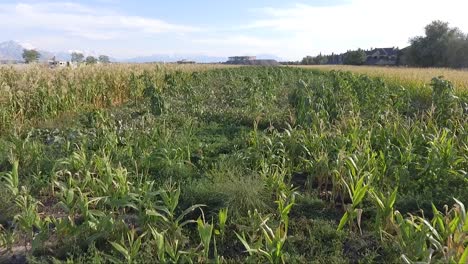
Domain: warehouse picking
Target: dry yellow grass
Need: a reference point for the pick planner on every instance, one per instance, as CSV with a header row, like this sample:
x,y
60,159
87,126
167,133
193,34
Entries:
x,y
418,76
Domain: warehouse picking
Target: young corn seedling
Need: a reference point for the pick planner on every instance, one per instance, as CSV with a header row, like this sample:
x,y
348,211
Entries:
x,y
205,231
357,190
128,248
442,239
222,219
384,203
168,250
7,239
28,219
269,245
12,178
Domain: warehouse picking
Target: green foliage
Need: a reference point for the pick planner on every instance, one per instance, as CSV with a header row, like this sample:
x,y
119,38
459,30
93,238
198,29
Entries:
x,y
357,190
30,56
444,100
270,242
129,248
104,59
442,238
12,178
91,60
442,46
77,57
355,57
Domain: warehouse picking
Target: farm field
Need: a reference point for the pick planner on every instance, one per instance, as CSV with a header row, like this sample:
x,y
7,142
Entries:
x,y
409,76
214,164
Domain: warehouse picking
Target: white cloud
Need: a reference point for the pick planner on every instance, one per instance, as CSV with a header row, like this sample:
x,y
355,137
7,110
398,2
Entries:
x,y
82,21
360,23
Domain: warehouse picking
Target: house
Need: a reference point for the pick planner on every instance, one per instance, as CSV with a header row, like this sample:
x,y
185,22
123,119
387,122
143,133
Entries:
x,y
382,56
55,63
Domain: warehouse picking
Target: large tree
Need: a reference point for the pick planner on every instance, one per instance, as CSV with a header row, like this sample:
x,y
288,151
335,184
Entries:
x,y
307,60
91,60
355,57
77,57
31,55
442,46
104,59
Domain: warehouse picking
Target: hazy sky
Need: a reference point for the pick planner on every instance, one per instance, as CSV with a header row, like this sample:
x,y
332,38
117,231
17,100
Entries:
x,y
288,29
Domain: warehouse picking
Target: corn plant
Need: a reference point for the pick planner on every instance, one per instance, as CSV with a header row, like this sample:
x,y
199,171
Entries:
x,y
444,99
385,207
269,245
28,219
222,218
168,250
205,231
12,179
357,190
443,238
128,247
7,239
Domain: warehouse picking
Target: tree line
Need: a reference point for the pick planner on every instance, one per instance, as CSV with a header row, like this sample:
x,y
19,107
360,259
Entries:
x,y
441,46
32,55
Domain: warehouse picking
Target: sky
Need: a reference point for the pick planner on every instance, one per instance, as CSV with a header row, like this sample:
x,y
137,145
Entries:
x,y
287,29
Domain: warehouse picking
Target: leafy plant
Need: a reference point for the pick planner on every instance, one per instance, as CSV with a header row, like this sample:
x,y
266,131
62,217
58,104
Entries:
x,y
129,248
270,243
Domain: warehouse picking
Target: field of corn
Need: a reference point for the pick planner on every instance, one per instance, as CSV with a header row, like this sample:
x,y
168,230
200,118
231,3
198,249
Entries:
x,y
203,164
403,75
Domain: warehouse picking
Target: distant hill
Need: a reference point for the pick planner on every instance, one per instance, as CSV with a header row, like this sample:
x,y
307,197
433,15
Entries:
x,y
175,58
12,50
190,57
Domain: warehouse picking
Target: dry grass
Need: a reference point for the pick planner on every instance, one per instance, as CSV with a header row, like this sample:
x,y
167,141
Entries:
x,y
418,76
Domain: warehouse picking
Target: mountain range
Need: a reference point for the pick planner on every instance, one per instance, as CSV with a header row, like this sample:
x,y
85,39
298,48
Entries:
x,y
12,50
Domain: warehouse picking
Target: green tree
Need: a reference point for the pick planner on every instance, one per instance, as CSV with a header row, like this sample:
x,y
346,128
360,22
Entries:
x,y
355,57
77,57
30,55
91,60
308,60
442,46
320,59
104,59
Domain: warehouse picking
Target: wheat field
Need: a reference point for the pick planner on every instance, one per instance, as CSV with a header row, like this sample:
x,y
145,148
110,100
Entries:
x,y
418,76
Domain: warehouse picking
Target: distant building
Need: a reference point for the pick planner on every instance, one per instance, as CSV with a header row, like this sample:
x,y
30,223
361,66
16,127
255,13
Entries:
x,y
377,56
382,56
55,63
241,59
186,62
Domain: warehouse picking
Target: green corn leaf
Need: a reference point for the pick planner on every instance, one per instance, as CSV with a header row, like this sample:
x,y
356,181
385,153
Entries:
x,y
464,257
189,210
244,242
120,249
343,221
